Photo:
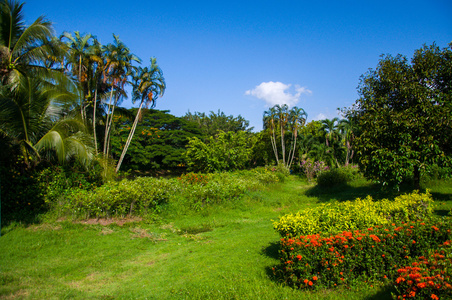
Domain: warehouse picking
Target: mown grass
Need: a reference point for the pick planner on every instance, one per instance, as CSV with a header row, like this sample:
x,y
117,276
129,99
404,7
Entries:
x,y
222,252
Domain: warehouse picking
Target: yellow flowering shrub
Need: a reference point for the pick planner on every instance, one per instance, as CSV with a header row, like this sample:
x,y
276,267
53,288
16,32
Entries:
x,y
358,214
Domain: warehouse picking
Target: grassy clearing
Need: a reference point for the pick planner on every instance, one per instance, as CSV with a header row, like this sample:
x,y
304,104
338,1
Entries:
x,y
221,252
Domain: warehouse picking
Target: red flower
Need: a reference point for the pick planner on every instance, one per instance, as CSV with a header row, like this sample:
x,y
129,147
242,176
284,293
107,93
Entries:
x,y
299,257
314,278
310,283
434,297
421,285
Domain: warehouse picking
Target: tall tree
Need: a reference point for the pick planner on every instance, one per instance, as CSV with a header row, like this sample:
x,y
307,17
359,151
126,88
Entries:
x,y
403,118
77,61
210,124
148,85
25,50
297,119
280,120
119,67
32,93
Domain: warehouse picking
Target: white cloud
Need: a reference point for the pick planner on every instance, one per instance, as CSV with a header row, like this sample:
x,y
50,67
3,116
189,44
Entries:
x,y
320,116
278,93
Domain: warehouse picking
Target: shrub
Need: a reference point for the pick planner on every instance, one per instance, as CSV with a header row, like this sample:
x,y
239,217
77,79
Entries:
x,y
312,169
333,177
362,213
125,197
192,191
427,277
308,261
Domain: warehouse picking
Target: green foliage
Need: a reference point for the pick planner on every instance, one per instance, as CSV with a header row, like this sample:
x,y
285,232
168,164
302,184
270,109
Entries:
x,y
312,169
402,120
210,125
371,254
192,191
427,277
337,176
282,125
224,152
159,141
27,192
358,214
126,197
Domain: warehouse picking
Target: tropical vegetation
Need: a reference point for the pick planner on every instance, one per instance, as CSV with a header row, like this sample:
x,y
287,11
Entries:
x,y
103,201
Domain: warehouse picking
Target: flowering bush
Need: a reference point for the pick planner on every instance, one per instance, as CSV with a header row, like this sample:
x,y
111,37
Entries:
x,y
308,261
427,277
359,214
312,168
194,178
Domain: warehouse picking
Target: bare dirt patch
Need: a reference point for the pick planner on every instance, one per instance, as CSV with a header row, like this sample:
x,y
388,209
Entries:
x,y
105,222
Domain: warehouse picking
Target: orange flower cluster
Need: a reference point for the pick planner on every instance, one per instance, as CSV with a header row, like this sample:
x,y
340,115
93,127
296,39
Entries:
x,y
339,259
194,178
427,277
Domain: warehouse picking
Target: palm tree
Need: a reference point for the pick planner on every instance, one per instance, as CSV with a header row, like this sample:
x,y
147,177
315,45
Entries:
x,y
330,128
118,67
33,94
269,124
78,52
283,118
24,50
345,128
148,85
297,119
28,114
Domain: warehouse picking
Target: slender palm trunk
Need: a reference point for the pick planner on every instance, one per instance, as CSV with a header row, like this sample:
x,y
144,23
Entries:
x,y
94,119
293,151
109,126
129,138
273,140
283,147
107,122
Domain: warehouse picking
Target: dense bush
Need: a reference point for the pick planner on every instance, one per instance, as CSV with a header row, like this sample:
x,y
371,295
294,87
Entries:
x,y
427,277
192,191
126,197
27,192
337,176
375,253
362,213
227,151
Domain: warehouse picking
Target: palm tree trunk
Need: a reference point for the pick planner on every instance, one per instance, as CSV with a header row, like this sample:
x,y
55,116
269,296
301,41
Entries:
x,y
94,119
109,126
107,122
129,138
293,152
283,147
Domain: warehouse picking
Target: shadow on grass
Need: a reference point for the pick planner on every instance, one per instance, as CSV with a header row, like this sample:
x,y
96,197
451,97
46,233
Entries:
x,y
441,196
20,217
271,250
346,192
383,294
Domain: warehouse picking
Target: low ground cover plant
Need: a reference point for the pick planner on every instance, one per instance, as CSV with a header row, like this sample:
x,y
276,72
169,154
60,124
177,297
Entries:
x,y
336,217
378,253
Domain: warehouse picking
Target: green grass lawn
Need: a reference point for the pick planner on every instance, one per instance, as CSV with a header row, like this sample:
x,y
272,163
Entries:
x,y
221,252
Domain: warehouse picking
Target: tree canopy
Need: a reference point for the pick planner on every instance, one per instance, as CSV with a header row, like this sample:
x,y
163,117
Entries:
x,y
403,119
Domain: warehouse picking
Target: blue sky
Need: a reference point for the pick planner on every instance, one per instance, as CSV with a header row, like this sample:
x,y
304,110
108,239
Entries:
x,y
242,57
